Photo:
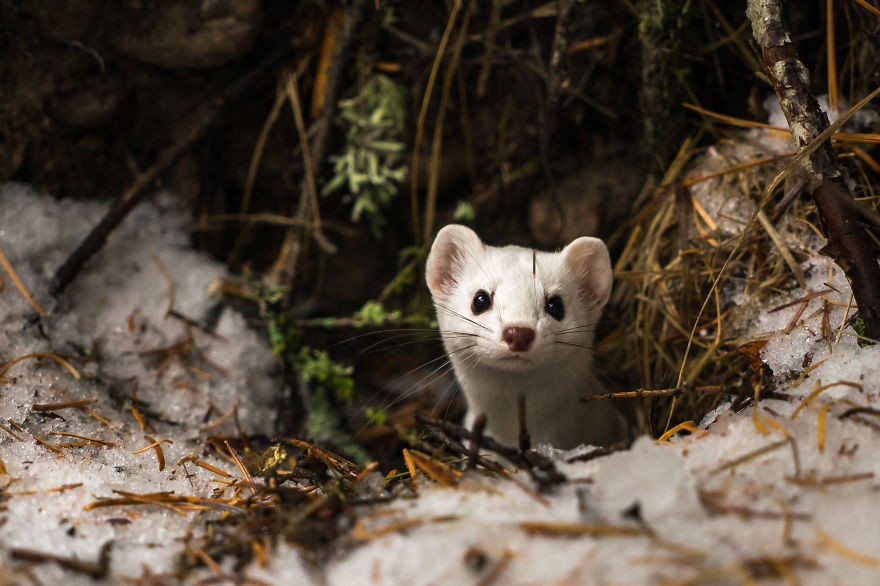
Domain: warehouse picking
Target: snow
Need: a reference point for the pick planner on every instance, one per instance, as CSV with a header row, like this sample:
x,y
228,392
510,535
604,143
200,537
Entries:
x,y
122,286
708,507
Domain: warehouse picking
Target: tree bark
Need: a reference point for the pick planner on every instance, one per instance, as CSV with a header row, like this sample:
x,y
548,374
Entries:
x,y
848,244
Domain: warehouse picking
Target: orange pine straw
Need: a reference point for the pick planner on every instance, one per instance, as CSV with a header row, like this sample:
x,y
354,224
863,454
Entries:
x,y
325,59
683,426
19,284
845,551
411,466
241,467
361,533
575,529
848,137
212,468
91,440
591,43
832,57
857,137
36,355
156,446
734,120
873,9
809,398
761,423
701,211
746,165
866,158
820,427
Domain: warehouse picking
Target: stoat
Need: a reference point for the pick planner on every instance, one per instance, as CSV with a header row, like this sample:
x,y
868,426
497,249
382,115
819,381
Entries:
x,y
518,323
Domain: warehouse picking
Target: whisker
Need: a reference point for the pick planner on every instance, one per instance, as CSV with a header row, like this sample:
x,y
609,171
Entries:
x,y
421,383
405,344
426,335
584,346
437,337
456,314
374,333
577,328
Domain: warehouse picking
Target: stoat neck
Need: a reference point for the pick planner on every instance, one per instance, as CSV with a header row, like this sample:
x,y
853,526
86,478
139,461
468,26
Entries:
x,y
554,413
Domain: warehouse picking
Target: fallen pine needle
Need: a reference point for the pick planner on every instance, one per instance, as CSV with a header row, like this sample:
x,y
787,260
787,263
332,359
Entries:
x,y
98,417
498,569
206,559
683,426
820,427
139,418
809,398
14,435
212,468
19,284
180,504
63,405
338,463
37,355
89,440
845,551
45,443
241,467
750,456
360,532
556,529
156,446
434,468
61,488
219,421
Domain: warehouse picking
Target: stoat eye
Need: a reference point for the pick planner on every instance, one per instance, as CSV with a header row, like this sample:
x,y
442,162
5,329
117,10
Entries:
x,y
554,307
482,301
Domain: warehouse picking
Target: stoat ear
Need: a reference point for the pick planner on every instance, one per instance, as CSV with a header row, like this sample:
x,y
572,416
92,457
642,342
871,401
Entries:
x,y
588,261
452,247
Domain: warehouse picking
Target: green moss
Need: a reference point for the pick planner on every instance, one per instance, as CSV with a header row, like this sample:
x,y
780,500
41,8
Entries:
x,y
369,168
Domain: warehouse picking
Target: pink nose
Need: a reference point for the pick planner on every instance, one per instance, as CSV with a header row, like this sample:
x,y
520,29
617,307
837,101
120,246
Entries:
x,y
518,339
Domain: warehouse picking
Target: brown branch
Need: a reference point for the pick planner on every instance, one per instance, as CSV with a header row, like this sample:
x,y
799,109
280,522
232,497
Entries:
x,y
96,570
848,244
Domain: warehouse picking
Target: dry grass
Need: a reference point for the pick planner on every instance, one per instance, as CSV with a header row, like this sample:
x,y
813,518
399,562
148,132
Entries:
x,y
681,263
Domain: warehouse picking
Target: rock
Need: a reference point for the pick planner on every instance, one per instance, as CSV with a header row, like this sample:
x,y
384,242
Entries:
x,y
184,34
91,105
586,202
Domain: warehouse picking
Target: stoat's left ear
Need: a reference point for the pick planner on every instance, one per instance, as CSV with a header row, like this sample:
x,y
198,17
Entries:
x,y
454,246
588,261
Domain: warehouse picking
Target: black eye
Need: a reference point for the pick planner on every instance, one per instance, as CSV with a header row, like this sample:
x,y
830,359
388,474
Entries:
x,y
554,307
482,301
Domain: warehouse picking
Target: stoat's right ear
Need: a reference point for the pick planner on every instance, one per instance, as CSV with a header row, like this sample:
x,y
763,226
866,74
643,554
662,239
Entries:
x,y
453,246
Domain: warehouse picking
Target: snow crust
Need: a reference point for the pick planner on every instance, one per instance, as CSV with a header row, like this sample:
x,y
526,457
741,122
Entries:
x,y
702,508
114,312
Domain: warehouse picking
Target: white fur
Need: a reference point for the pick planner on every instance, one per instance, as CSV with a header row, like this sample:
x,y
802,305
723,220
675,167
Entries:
x,y
550,376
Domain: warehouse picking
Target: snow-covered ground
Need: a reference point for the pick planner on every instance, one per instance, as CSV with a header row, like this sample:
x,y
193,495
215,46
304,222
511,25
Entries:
x,y
783,493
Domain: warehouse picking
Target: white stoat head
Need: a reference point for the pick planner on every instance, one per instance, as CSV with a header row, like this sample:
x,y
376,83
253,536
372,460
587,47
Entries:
x,y
514,308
